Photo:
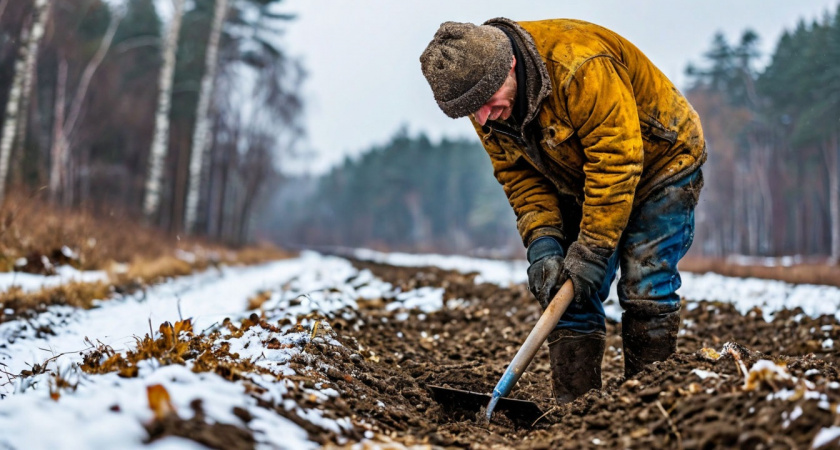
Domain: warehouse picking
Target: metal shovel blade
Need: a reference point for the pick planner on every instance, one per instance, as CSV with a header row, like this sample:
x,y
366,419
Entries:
x,y
516,410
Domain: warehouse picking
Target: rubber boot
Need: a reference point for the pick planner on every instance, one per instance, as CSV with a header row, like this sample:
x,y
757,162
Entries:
x,y
575,363
648,339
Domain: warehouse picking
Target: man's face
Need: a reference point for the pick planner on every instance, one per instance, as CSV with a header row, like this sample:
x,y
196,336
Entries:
x,y
500,105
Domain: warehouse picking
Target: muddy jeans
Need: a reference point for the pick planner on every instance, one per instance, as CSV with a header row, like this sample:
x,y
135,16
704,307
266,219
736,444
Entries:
x,y
657,236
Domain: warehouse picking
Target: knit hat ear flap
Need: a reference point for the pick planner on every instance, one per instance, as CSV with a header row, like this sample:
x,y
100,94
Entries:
x,y
465,64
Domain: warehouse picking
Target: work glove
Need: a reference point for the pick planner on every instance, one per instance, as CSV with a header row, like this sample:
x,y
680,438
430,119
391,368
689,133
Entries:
x,y
544,274
587,268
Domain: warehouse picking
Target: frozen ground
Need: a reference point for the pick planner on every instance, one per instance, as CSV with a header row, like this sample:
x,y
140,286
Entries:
x,y
106,411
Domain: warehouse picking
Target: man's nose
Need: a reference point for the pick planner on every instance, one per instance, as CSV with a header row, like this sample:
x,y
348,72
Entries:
x,y
482,114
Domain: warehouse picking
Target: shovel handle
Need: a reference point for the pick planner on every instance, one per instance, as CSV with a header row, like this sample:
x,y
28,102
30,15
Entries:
x,y
538,335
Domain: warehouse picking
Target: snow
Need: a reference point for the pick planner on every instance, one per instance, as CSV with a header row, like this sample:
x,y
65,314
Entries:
x,y
703,374
825,436
106,411
769,295
426,299
29,282
745,293
500,272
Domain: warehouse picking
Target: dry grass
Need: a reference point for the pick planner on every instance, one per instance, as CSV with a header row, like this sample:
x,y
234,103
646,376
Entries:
x,y
132,254
31,228
259,299
800,273
77,294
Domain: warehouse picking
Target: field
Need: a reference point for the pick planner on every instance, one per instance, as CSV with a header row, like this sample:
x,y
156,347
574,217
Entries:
x,y
319,351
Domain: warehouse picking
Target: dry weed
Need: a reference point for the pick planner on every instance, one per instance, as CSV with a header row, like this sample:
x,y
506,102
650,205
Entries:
x,y
77,294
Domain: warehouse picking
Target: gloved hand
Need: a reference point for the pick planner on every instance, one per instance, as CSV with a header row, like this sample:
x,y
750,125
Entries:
x,y
587,269
544,274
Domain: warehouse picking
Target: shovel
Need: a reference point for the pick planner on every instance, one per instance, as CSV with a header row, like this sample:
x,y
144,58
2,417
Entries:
x,y
514,409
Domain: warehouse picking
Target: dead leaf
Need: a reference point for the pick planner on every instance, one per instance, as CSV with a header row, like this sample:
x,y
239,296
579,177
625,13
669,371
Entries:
x,y
159,401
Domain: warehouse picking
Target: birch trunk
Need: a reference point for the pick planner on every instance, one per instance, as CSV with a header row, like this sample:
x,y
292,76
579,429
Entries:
x,y
25,63
830,154
202,120
38,29
157,154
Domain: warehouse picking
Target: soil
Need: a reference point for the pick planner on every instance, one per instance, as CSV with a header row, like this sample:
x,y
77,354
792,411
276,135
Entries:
x,y
385,365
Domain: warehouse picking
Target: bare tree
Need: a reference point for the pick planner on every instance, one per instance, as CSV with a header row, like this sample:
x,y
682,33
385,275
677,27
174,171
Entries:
x,y
201,133
160,147
21,86
64,130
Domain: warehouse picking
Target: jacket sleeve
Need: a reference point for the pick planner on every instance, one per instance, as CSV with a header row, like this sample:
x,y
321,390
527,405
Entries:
x,y
602,109
533,198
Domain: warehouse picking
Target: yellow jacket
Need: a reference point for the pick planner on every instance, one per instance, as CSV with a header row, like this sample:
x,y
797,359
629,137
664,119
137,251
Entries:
x,y
610,129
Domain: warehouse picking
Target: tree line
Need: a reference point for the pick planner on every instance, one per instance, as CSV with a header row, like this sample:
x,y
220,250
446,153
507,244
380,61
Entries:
x,y
772,177
773,174
179,119
409,194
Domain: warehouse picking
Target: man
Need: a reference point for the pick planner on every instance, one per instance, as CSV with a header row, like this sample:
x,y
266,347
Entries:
x,y
599,155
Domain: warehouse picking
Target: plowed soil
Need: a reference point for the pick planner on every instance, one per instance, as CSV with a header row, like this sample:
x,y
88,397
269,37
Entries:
x,y
690,401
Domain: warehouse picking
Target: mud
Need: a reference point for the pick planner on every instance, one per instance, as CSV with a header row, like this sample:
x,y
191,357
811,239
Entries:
x,y
385,365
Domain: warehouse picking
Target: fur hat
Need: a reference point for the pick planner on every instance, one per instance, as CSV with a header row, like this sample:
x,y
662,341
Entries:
x,y
465,64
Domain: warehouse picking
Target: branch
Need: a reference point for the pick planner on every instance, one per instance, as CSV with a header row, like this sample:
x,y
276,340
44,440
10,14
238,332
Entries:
x,y
87,75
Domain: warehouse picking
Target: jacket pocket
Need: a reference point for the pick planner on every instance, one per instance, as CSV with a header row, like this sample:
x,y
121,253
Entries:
x,y
652,129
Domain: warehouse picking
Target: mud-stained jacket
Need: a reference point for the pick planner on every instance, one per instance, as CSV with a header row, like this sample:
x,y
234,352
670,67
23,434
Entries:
x,y
604,127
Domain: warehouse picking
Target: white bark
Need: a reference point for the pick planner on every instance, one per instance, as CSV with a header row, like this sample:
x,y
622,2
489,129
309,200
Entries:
x,y
201,133
830,153
25,63
160,147
29,75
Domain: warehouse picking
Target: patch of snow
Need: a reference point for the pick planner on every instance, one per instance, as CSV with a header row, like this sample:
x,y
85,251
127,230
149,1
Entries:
x,y
499,272
426,299
769,295
30,282
703,374
745,293
796,413
828,344
309,283
825,436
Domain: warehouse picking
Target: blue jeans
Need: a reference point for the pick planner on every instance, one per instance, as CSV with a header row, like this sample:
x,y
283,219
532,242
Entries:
x,y
657,236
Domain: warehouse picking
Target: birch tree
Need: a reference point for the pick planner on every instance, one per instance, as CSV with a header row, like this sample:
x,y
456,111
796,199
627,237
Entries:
x,y
21,86
831,155
157,154
201,133
63,129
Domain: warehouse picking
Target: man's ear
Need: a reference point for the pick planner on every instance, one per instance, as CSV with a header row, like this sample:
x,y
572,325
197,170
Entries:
x,y
513,63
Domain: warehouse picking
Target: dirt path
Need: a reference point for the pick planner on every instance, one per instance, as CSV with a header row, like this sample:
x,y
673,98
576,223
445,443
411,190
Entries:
x,y
689,401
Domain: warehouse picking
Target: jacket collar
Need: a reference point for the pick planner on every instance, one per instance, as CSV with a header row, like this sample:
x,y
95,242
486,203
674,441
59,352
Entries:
x,y
537,81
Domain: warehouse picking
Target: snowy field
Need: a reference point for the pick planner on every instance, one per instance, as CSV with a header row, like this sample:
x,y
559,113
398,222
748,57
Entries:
x,y
107,411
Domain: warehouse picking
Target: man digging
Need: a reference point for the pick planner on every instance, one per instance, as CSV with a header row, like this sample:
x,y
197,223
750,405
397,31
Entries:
x,y
599,155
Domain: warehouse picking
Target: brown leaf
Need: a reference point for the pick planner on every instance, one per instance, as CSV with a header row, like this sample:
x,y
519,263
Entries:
x,y
159,401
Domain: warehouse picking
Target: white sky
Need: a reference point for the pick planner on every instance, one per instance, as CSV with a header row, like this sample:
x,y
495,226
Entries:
x,y
363,56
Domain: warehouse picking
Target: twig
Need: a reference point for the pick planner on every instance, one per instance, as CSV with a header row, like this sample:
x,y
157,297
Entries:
x,y
180,316
739,364
671,423
553,408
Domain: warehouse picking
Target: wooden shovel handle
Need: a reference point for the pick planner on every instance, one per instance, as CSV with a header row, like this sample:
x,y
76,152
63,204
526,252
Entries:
x,y
538,335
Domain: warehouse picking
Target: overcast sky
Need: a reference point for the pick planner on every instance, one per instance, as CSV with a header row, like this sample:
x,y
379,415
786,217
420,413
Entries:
x,y
363,56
